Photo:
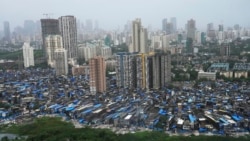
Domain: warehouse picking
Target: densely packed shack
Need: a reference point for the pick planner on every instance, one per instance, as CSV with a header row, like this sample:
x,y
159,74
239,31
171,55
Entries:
x,y
216,107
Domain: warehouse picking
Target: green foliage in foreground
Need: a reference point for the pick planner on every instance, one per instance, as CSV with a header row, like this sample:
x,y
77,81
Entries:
x,y
53,129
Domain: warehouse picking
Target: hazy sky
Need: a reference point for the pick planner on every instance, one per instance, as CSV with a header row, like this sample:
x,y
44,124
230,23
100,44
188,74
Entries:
x,y
112,14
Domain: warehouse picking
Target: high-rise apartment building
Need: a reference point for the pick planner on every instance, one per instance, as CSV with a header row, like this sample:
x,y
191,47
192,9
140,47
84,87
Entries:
x,y
6,26
126,69
28,55
191,27
139,38
158,70
52,42
68,30
97,74
49,27
61,61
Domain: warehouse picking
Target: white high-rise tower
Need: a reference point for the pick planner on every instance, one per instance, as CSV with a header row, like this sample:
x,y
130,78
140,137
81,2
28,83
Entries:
x,y
68,30
28,55
139,38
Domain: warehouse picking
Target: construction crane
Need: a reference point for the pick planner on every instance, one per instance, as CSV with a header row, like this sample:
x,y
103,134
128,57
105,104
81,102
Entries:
x,y
48,15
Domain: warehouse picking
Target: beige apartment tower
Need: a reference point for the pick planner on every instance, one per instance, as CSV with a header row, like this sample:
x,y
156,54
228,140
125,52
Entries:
x,y
97,75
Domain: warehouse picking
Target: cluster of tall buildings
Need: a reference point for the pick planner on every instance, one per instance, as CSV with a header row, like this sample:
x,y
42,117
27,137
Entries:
x,y
169,27
141,67
60,42
89,50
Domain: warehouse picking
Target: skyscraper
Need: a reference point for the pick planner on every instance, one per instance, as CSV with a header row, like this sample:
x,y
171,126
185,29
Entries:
x,y
174,23
49,27
61,61
139,38
68,30
28,55
97,74
164,24
191,27
52,42
6,26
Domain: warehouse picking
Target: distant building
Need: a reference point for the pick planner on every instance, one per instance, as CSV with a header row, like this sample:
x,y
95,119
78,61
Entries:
x,y
164,24
80,70
169,28
87,51
68,30
106,52
97,74
28,55
225,50
207,75
110,64
218,67
61,61
221,28
240,74
139,38
6,26
52,42
174,24
191,28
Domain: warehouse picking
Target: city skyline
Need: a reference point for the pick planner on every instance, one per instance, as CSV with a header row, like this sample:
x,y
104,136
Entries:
x,y
113,14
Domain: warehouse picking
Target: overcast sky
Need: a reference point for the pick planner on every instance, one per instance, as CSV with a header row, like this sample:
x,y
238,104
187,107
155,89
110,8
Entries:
x,y
112,14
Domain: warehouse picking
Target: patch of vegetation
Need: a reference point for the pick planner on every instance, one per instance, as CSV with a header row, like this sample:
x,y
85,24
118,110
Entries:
x,y
53,129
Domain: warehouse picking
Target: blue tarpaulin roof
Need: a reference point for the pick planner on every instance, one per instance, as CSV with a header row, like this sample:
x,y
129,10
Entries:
x,y
237,117
70,108
87,111
97,105
191,118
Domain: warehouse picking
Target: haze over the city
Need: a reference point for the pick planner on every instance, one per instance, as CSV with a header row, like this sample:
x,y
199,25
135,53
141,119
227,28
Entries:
x,y
113,14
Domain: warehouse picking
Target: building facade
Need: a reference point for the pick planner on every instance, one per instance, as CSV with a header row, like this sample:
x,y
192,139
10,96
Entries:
x,y
97,75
